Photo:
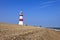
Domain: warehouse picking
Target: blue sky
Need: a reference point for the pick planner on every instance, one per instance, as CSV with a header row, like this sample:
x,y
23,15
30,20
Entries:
x,y
35,12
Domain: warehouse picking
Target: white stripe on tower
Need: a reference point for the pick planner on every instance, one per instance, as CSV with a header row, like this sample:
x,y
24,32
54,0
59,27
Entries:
x,y
21,18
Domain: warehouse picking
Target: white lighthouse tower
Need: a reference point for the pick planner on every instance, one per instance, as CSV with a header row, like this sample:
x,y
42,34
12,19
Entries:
x,y
21,18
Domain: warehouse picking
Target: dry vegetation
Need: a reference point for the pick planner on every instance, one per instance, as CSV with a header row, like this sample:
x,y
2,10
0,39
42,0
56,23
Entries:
x,y
17,32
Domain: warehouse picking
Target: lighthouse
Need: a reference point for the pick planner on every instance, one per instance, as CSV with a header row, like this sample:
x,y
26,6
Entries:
x,y
21,18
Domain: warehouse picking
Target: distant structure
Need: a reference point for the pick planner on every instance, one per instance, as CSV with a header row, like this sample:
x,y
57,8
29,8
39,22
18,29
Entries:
x,y
40,26
21,18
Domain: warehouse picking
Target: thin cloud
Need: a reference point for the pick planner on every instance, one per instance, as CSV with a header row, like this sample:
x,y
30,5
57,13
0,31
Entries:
x,y
46,4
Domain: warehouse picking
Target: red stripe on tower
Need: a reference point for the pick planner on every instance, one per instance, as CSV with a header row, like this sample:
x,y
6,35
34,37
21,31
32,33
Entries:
x,y
21,18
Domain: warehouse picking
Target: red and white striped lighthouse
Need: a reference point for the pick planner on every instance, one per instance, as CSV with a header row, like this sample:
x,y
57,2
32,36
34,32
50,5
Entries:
x,y
21,18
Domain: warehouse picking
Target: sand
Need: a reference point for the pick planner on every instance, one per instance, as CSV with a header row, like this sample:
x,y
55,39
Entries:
x,y
17,32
